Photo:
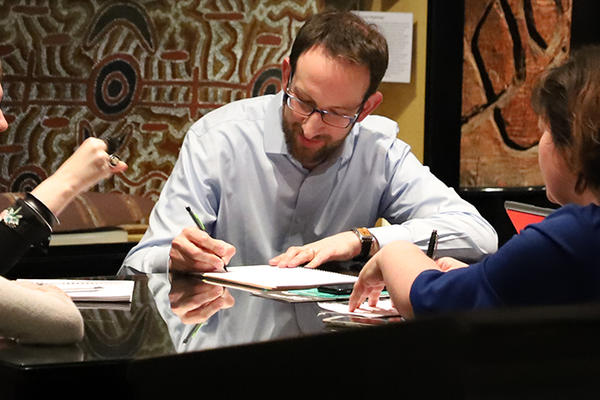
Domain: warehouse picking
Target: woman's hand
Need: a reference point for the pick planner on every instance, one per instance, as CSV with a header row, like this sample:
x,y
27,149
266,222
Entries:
x,y
87,166
449,263
396,266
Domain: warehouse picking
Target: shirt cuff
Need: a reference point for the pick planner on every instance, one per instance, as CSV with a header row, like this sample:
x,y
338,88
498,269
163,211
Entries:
x,y
390,233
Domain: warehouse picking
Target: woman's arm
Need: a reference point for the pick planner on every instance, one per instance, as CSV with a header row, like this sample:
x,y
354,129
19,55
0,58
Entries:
x,y
31,313
29,221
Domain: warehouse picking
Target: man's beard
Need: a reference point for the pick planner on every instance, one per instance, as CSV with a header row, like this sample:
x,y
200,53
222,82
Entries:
x,y
309,158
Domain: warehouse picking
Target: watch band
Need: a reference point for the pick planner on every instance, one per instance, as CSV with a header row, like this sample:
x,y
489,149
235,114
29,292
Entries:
x,y
366,242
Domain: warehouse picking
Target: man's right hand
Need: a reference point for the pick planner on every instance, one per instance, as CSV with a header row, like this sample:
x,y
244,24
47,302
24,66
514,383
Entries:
x,y
194,301
195,251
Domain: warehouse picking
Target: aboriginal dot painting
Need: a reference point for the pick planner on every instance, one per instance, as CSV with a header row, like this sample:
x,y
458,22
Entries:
x,y
140,70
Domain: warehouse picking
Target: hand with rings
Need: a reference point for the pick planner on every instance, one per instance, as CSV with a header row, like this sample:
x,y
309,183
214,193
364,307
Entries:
x,y
88,165
338,247
113,160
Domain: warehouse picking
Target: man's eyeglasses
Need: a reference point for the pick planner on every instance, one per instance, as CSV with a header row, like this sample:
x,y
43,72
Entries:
x,y
330,118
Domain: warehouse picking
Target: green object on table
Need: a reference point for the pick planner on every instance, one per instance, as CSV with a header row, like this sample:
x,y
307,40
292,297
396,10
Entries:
x,y
314,292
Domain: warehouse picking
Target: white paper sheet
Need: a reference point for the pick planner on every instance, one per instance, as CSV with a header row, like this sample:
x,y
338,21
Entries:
x,y
398,30
384,308
91,289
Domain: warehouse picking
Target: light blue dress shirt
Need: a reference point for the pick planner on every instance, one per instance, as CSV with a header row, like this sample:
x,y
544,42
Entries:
x,y
235,172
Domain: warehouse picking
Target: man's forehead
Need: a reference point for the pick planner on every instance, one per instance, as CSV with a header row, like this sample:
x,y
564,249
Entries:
x,y
330,82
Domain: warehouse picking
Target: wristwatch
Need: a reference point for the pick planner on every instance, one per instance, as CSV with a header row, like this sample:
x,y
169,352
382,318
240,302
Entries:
x,y
366,241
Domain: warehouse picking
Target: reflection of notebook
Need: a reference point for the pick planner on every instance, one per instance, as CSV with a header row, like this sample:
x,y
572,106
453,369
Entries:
x,y
522,214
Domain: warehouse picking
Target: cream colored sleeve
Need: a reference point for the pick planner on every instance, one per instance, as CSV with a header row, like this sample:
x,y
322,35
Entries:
x,y
32,316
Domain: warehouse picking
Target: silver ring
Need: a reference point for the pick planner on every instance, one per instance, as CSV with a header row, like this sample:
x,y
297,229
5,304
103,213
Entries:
x,y
113,160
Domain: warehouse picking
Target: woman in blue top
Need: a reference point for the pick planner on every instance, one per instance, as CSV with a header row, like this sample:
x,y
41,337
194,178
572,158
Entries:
x,y
553,262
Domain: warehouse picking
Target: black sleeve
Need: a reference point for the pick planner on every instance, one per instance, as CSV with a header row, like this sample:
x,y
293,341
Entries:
x,y
27,223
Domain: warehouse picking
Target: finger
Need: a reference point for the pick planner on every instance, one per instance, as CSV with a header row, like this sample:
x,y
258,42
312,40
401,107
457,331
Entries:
x,y
304,256
442,264
288,256
184,305
185,255
120,167
317,260
357,296
374,297
227,253
357,302
185,289
275,260
203,313
228,300
202,239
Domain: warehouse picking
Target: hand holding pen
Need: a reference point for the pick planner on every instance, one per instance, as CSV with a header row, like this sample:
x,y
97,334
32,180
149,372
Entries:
x,y
193,250
200,225
444,263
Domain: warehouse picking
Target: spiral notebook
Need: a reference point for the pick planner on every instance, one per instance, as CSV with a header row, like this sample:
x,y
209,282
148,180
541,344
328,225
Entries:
x,y
266,277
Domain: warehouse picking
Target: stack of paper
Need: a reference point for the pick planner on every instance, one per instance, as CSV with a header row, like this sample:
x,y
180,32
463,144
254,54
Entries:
x,y
91,290
384,308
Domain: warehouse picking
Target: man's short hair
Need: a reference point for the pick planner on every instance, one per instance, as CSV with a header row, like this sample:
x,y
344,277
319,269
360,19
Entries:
x,y
346,35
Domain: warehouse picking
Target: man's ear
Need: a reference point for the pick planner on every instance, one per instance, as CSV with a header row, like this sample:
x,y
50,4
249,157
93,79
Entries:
x,y
286,70
370,105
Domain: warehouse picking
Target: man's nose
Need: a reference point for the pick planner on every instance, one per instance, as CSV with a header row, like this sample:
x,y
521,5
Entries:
x,y
312,125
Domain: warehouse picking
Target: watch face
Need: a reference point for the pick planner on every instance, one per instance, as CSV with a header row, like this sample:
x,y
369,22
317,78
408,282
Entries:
x,y
364,232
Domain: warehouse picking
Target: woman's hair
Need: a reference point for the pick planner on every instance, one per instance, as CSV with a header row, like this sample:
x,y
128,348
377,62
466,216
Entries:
x,y
344,34
568,99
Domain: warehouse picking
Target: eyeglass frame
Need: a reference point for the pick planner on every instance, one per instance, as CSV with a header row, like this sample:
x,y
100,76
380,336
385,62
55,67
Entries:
x,y
351,119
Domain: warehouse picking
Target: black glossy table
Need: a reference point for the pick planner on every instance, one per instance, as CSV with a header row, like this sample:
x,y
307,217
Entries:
x,y
271,348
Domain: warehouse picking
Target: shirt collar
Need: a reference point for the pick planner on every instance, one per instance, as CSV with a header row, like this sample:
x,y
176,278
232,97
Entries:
x,y
274,138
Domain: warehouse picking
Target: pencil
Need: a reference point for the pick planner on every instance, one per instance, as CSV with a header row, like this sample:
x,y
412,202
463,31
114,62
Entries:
x,y
197,221
192,333
199,224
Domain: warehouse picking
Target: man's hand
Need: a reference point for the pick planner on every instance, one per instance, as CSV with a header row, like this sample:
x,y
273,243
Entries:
x,y
195,251
194,301
340,247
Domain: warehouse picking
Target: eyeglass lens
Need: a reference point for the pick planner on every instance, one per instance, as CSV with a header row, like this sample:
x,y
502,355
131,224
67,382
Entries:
x,y
305,109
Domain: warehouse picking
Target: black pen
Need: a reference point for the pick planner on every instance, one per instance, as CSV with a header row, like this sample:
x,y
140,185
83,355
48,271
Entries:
x,y
432,244
200,225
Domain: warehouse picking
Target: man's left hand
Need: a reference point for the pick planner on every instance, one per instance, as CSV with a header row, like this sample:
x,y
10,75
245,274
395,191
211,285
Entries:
x,y
340,247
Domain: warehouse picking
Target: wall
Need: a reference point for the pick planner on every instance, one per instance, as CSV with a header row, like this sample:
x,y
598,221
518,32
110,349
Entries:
x,y
405,102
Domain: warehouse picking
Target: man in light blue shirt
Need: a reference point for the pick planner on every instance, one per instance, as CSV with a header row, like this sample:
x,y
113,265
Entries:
x,y
288,178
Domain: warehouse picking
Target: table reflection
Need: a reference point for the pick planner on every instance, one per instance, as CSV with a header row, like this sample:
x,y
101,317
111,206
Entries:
x,y
227,316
